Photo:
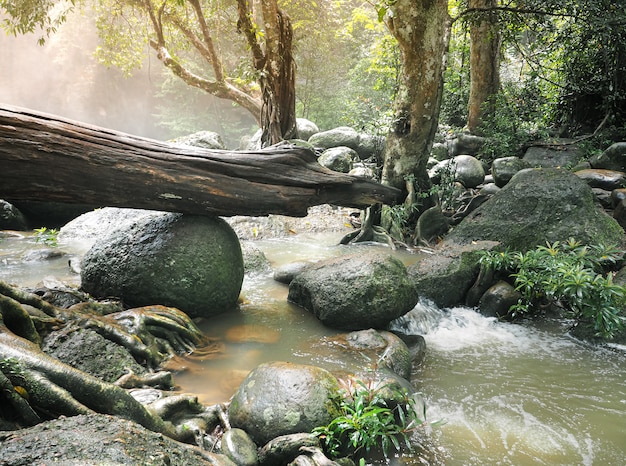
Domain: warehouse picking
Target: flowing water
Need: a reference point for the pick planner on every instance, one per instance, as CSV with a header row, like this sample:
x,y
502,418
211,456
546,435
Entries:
x,y
508,394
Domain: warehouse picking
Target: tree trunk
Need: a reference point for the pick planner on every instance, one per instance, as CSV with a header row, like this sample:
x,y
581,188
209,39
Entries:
x,y
273,60
278,114
47,158
485,41
422,30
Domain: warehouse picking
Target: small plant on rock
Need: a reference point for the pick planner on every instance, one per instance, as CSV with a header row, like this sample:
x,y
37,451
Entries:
x,y
47,236
370,422
571,276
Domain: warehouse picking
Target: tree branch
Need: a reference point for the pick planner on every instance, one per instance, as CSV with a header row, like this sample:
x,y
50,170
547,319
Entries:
x,y
245,25
208,41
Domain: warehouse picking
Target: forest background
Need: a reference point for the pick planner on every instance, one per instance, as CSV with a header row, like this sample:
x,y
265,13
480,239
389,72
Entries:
x,y
560,68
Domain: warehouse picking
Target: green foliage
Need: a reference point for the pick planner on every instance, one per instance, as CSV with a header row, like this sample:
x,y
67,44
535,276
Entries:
x,y
49,237
183,110
571,276
399,220
30,16
446,189
347,70
368,422
456,80
506,133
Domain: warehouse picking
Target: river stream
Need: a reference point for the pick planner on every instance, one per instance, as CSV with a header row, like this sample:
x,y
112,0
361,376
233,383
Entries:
x,y
509,394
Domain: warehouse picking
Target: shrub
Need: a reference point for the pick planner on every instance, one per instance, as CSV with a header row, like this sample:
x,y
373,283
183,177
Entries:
x,y
368,420
569,275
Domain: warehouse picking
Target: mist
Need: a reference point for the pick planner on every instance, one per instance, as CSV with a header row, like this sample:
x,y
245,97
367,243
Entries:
x,y
63,78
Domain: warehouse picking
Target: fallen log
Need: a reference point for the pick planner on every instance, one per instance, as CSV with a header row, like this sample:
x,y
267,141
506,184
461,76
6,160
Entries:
x,y
48,158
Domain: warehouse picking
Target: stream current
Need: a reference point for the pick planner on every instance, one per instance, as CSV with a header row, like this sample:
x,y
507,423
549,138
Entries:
x,y
509,394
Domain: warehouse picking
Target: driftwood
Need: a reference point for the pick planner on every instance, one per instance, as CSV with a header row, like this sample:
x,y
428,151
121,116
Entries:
x,y
48,158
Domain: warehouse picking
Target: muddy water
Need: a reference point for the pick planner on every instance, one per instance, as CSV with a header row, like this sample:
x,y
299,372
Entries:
x,y
509,394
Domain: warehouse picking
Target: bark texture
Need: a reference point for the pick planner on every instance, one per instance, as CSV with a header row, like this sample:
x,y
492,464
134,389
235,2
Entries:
x,y
274,62
47,158
422,30
485,42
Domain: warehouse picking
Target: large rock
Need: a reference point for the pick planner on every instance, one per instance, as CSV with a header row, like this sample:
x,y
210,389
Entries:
x,y
536,206
339,159
503,169
465,144
355,292
566,155
342,136
281,398
603,179
97,224
468,170
97,439
613,158
306,128
192,263
446,276
370,146
11,218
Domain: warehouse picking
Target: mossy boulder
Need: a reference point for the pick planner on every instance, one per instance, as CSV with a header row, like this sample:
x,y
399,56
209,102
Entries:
x,y
355,291
536,206
192,263
446,276
281,398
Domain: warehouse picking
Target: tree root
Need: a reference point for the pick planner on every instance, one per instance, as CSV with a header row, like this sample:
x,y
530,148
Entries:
x,y
369,232
37,386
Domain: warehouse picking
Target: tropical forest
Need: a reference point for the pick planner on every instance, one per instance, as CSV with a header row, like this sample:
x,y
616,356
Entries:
x,y
312,232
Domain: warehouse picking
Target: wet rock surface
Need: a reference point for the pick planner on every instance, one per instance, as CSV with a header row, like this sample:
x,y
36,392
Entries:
x,y
282,398
96,440
355,291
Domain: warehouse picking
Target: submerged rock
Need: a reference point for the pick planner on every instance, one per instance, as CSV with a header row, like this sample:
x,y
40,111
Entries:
x,y
192,263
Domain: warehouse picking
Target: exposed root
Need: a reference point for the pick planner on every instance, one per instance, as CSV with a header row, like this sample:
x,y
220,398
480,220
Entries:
x,y
369,232
35,386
